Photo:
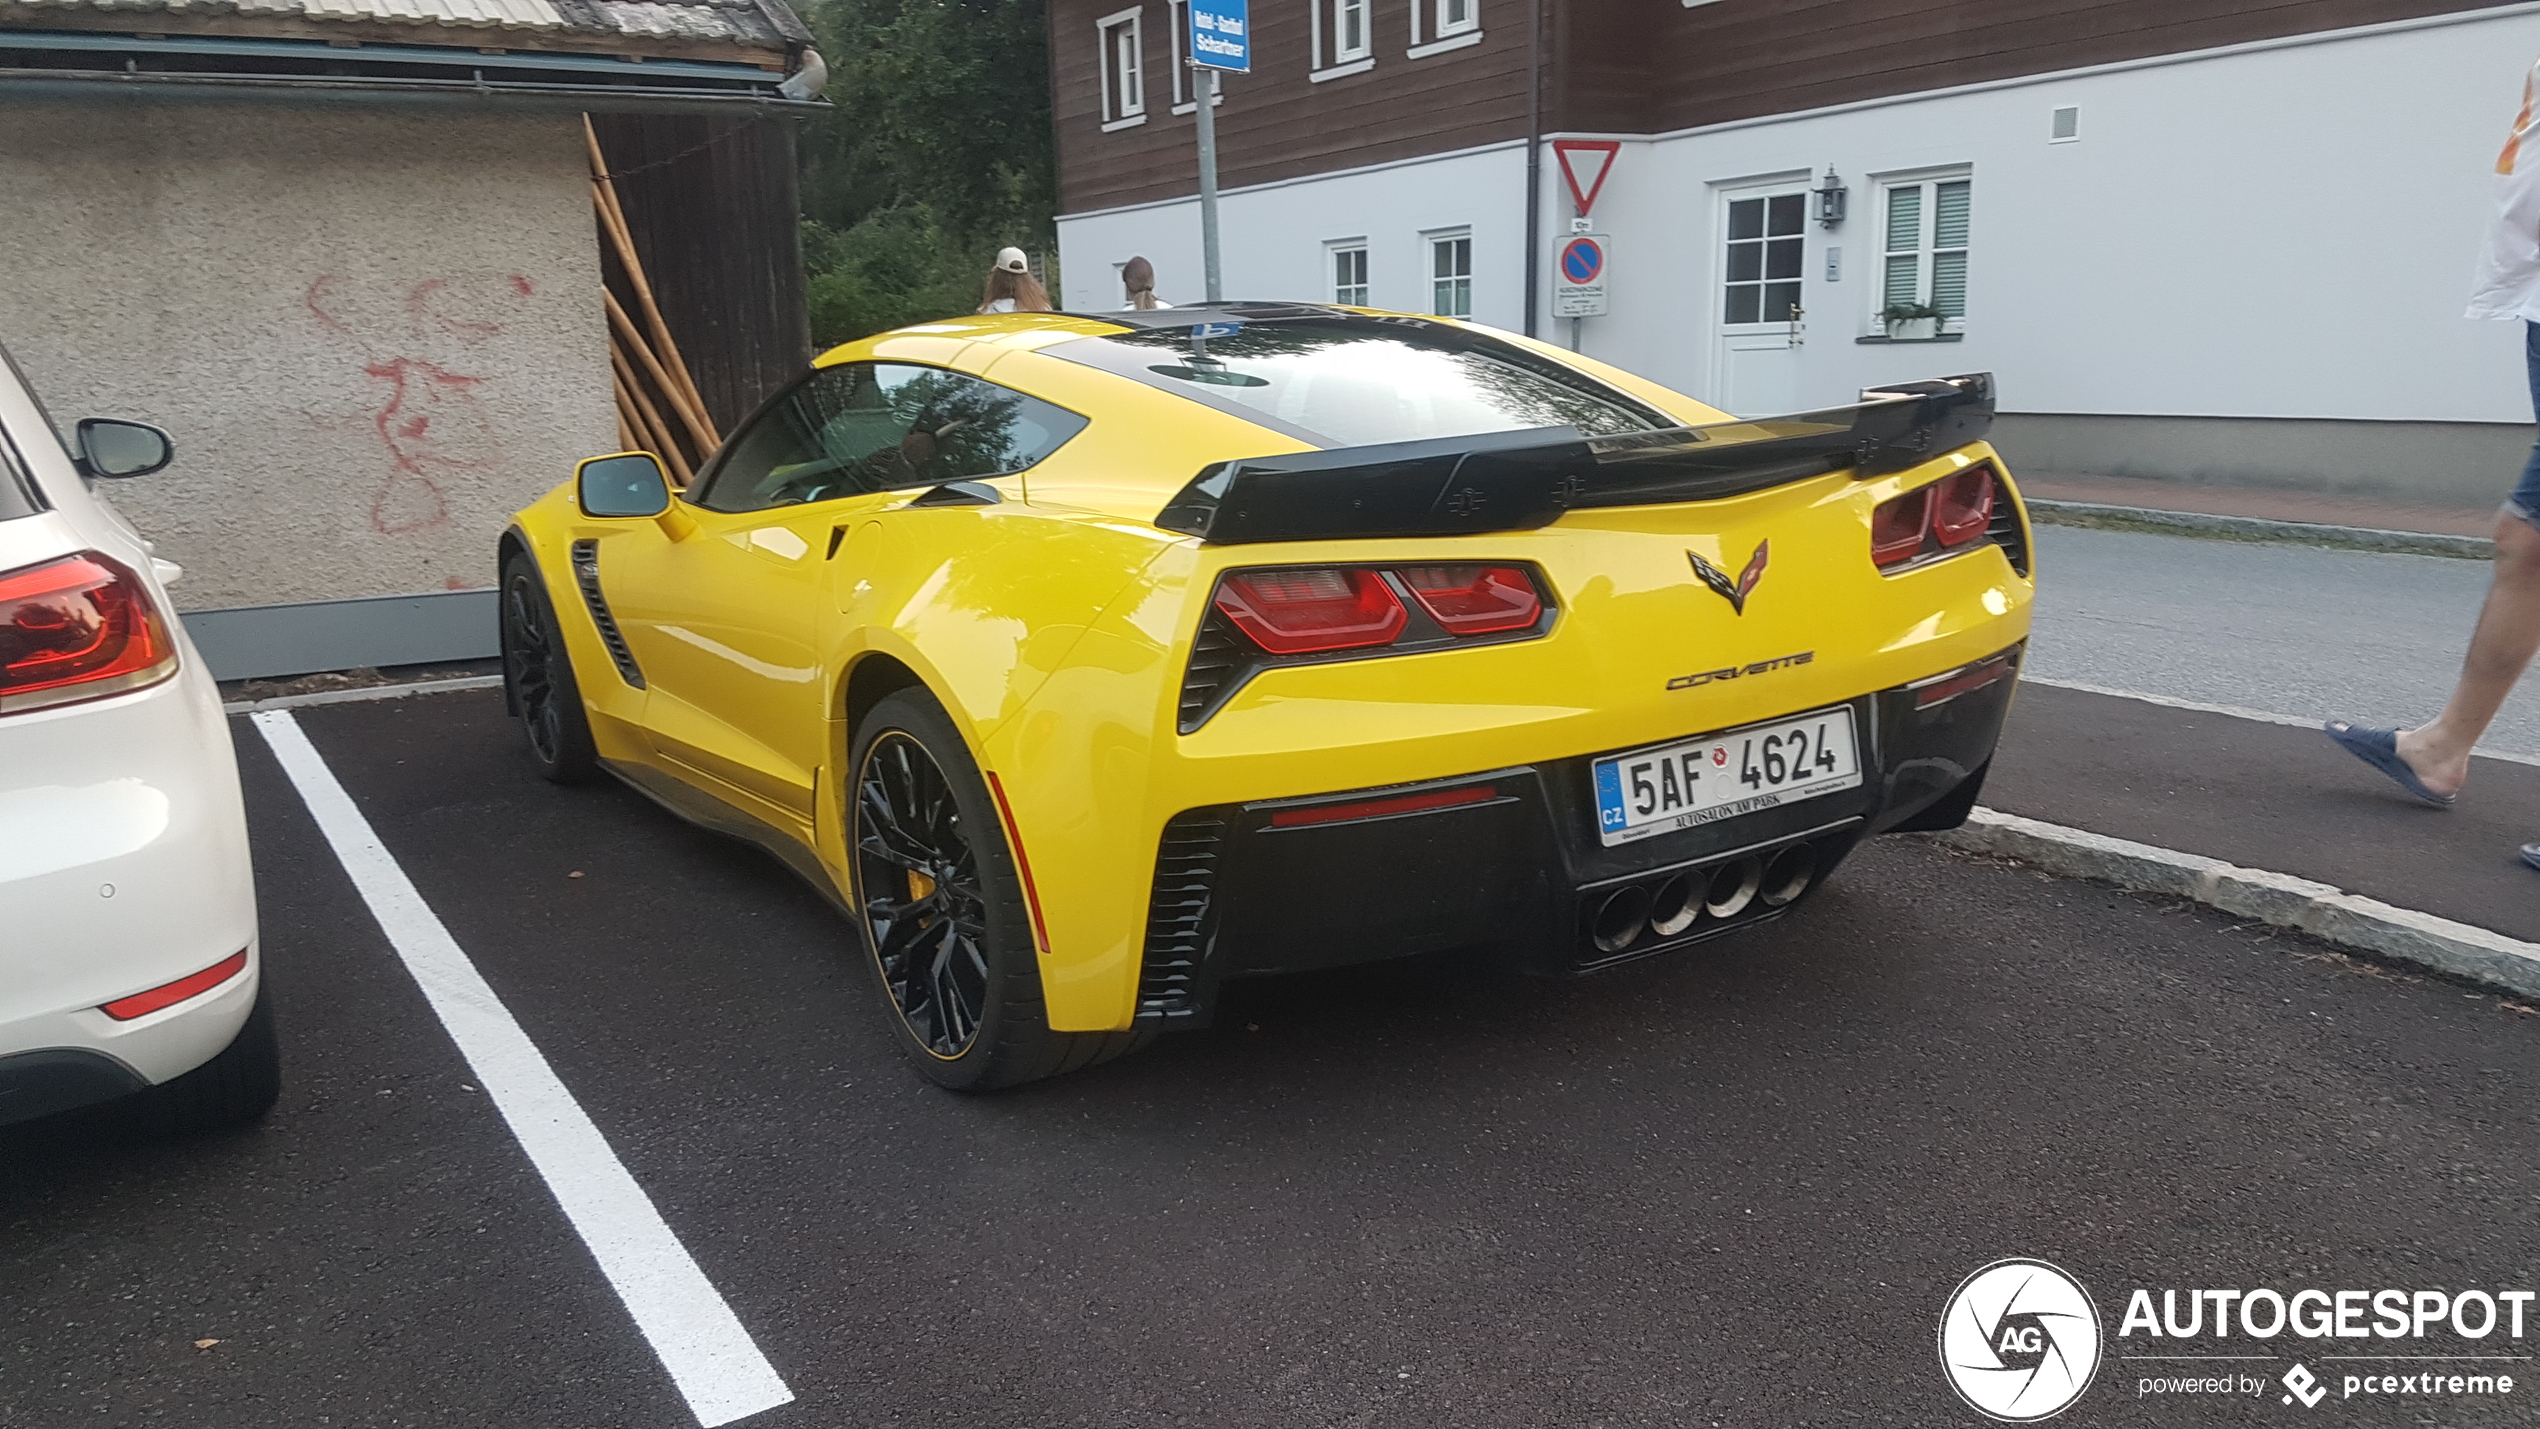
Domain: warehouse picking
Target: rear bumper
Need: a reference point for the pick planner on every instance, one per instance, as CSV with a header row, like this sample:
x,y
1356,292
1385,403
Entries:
x,y
123,868
1510,857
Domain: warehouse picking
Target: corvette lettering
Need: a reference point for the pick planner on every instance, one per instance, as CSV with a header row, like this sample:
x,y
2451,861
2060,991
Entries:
x,y
1760,667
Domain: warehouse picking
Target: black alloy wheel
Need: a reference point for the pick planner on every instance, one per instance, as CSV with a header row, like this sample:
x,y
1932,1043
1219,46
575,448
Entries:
x,y
923,903
538,679
945,917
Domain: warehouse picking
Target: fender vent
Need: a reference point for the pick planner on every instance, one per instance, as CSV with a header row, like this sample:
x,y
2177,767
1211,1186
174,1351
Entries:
x,y
586,574
2004,531
1180,928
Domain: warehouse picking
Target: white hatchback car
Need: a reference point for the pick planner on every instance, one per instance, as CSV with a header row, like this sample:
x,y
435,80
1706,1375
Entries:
x,y
128,961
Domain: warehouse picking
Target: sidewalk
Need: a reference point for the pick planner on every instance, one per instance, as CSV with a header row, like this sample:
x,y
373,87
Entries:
x,y
2258,503
2272,797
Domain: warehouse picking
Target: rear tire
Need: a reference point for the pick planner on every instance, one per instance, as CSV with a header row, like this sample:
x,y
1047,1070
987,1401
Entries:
x,y
942,910
538,680
238,1086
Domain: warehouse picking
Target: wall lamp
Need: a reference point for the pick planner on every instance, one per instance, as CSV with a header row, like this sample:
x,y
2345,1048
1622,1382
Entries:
x,y
1830,195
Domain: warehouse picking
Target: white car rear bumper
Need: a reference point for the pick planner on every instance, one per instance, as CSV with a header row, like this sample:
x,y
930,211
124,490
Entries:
x,y
123,868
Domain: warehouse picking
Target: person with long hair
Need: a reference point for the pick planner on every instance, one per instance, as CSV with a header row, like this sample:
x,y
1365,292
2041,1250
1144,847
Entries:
x,y
1012,288
1138,276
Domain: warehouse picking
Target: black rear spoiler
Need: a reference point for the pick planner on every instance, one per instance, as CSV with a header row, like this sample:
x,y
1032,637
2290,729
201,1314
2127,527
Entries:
x,y
1517,481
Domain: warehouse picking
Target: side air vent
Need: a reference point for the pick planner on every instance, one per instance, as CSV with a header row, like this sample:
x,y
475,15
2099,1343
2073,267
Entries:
x,y
1219,657
1180,925
586,574
2004,530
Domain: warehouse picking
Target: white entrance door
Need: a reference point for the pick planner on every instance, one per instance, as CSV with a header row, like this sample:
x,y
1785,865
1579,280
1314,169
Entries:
x,y
1760,323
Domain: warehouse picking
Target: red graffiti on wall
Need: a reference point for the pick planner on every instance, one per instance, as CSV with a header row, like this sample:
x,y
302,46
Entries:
x,y
427,414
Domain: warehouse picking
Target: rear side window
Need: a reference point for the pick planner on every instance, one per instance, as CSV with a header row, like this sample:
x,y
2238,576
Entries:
x,y
1360,381
17,491
882,426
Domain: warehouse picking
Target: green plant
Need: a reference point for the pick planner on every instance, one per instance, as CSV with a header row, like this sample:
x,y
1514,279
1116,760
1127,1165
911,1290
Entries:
x,y
1896,315
938,153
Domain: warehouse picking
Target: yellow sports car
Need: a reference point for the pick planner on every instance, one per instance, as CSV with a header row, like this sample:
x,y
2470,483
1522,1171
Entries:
x,y
1089,661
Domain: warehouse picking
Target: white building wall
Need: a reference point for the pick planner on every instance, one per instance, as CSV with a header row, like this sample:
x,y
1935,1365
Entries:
x,y
1273,239
2279,230
373,334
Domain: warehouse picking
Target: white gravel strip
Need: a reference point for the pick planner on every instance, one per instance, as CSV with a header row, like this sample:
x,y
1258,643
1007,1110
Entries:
x,y
2347,920
368,692
2259,528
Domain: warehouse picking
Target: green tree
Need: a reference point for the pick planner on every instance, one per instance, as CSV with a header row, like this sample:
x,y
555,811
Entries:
x,y
938,154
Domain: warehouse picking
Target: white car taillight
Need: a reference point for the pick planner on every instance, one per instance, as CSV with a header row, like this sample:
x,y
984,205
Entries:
x,y
79,628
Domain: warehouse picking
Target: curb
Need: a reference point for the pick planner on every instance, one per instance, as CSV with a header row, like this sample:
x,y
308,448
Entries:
x,y
2334,916
365,692
2257,528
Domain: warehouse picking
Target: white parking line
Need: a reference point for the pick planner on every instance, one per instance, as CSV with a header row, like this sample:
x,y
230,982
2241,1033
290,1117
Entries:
x,y
718,1368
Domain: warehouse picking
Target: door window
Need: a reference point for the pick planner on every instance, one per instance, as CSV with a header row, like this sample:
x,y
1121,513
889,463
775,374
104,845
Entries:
x,y
1764,257
882,426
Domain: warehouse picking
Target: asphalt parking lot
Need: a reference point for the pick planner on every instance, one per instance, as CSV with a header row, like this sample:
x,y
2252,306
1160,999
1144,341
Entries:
x,y
1729,1188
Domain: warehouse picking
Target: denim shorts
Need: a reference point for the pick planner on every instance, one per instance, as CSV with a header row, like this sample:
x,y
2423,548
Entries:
x,y
2525,502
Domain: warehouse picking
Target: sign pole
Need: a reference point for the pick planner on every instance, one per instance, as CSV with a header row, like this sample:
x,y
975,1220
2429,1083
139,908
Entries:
x,y
1219,38
1207,124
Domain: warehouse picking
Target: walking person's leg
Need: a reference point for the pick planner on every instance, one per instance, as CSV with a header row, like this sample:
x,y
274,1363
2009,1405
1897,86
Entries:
x,y
2500,649
2432,760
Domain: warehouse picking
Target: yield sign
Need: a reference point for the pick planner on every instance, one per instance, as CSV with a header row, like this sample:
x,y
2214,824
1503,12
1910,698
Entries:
x,y
1584,165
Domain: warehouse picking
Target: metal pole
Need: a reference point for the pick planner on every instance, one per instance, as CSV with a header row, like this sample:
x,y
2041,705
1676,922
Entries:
x,y
1534,159
1208,183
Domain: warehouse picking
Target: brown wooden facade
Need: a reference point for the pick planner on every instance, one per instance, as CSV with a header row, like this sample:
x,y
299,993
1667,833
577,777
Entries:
x,y
1604,66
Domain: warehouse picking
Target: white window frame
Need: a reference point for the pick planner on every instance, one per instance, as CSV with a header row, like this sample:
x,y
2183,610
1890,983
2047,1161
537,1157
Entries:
x,y
1117,113
1330,61
1185,78
1430,242
1928,180
1332,251
1442,34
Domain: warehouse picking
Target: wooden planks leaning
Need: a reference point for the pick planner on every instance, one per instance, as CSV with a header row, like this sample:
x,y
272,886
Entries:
x,y
658,406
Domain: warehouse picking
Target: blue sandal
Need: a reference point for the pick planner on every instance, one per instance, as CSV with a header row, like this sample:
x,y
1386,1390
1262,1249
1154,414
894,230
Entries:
x,y
2380,749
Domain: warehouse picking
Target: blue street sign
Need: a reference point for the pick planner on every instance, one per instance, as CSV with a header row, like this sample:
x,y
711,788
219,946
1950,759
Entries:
x,y
1221,34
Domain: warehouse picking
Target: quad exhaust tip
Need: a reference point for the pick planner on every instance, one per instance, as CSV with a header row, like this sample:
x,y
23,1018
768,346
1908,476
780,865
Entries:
x,y
1789,875
1664,908
1621,919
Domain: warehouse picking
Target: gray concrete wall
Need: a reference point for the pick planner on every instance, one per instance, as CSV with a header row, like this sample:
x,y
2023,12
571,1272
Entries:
x,y
2464,465
373,333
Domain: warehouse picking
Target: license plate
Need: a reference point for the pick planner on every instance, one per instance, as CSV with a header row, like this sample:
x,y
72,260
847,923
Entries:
x,y
1723,776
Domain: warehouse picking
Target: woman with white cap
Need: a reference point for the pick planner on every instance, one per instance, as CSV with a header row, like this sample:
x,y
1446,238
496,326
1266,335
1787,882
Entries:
x,y
1012,288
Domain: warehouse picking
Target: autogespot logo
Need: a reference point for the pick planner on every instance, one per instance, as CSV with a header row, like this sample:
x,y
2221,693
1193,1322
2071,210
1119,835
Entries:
x,y
2019,1340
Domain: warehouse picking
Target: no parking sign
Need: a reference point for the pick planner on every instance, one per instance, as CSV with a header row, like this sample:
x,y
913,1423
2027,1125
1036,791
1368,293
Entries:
x,y
1578,277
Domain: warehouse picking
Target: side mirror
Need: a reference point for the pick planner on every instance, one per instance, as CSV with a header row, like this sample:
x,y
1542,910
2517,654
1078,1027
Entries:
x,y
627,484
108,447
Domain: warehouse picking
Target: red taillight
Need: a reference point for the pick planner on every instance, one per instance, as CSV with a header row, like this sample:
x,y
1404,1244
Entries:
x,y
1963,507
76,629
141,1004
1896,528
1475,600
1380,808
1302,612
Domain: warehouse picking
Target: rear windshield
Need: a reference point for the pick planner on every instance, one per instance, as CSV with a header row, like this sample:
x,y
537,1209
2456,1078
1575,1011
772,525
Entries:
x,y
1348,381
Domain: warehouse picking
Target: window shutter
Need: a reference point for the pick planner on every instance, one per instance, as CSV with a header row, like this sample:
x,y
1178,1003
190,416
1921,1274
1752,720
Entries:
x,y
1904,278
1905,219
1949,283
1949,214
